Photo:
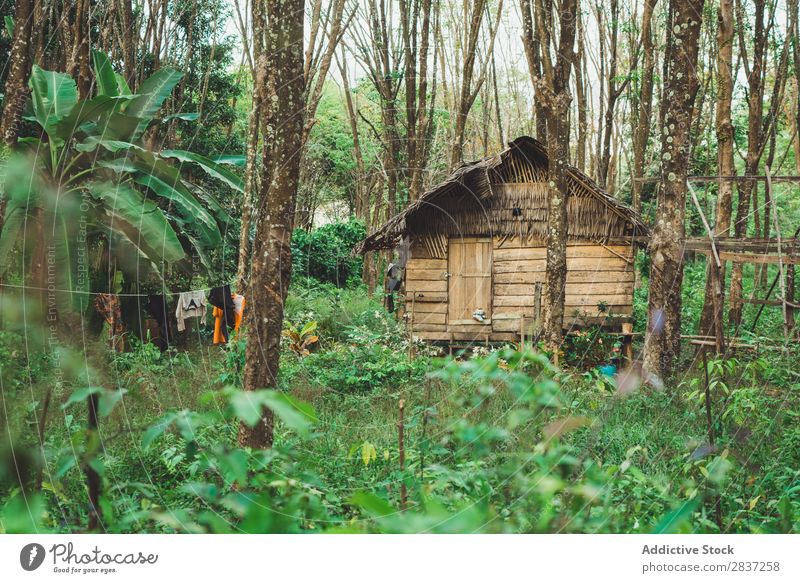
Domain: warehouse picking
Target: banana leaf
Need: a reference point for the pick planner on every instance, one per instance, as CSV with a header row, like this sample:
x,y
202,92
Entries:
x,y
194,216
20,189
152,94
128,212
104,75
53,96
91,143
85,111
209,166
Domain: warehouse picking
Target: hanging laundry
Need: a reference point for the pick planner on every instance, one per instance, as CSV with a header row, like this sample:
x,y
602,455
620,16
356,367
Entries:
x,y
157,306
224,312
238,305
190,305
221,326
107,305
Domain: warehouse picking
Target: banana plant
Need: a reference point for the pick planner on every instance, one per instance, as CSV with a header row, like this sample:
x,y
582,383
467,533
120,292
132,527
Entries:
x,y
89,176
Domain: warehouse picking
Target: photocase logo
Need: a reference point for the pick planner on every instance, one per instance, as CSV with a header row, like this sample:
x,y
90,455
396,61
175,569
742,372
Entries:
x,y
31,556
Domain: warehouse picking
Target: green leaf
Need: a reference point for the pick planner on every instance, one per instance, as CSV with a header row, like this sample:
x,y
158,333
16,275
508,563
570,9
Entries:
x,y
189,209
20,188
152,94
231,159
122,85
104,75
119,165
182,116
677,518
247,406
80,395
69,246
90,145
157,428
65,464
210,167
53,96
109,400
96,110
140,220
9,20
297,415
373,505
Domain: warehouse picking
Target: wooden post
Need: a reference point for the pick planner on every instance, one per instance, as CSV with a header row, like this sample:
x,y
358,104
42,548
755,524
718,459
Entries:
x,y
790,297
781,270
710,424
92,477
715,273
411,328
522,333
402,448
627,342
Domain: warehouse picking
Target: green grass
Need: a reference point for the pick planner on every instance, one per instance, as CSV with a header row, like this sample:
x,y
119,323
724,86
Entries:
x,y
478,456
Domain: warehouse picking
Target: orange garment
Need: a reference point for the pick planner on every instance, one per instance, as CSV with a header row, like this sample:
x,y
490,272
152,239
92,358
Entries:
x,y
238,302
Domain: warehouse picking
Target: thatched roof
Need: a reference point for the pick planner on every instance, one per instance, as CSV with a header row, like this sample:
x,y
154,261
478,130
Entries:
x,y
506,195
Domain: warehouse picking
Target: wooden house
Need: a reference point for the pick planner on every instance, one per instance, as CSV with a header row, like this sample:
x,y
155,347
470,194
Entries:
x,y
475,247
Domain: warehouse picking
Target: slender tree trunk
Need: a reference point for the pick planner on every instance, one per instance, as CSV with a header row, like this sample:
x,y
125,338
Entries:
x,y
662,342
748,189
533,42
252,174
580,94
552,90
272,261
16,87
725,163
641,134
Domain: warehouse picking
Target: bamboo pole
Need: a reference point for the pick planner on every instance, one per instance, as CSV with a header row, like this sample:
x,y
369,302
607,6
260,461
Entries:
x,y
402,448
781,269
715,271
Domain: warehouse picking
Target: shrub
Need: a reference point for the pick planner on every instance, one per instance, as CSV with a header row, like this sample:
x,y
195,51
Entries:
x,y
326,253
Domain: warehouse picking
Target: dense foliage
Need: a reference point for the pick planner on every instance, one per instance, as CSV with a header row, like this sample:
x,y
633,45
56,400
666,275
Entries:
x,y
326,253
494,443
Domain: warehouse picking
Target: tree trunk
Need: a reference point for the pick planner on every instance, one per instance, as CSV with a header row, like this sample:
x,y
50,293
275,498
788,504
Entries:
x,y
552,90
272,262
725,163
251,175
641,134
662,342
580,94
532,42
16,87
748,189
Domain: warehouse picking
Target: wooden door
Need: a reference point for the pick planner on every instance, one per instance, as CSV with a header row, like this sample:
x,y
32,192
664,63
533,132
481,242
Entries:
x,y
470,277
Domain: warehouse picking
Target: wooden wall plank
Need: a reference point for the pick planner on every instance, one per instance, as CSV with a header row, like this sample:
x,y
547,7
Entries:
x,y
600,289
425,274
592,301
430,317
573,264
573,252
426,297
426,327
427,307
414,263
573,289
422,285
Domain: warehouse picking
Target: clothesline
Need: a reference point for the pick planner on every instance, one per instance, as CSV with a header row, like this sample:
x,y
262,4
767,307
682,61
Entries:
x,y
91,293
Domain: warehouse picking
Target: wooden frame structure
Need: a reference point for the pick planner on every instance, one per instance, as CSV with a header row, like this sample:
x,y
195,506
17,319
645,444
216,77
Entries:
x,y
476,251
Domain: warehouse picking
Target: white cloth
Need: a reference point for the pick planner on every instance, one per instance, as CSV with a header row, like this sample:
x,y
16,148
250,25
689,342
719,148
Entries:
x,y
190,305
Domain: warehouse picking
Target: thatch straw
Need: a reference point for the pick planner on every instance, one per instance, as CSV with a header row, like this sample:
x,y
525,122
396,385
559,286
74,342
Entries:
x,y
506,195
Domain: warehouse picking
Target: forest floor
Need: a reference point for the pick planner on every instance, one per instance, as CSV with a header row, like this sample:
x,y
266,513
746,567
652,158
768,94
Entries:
x,y
491,443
